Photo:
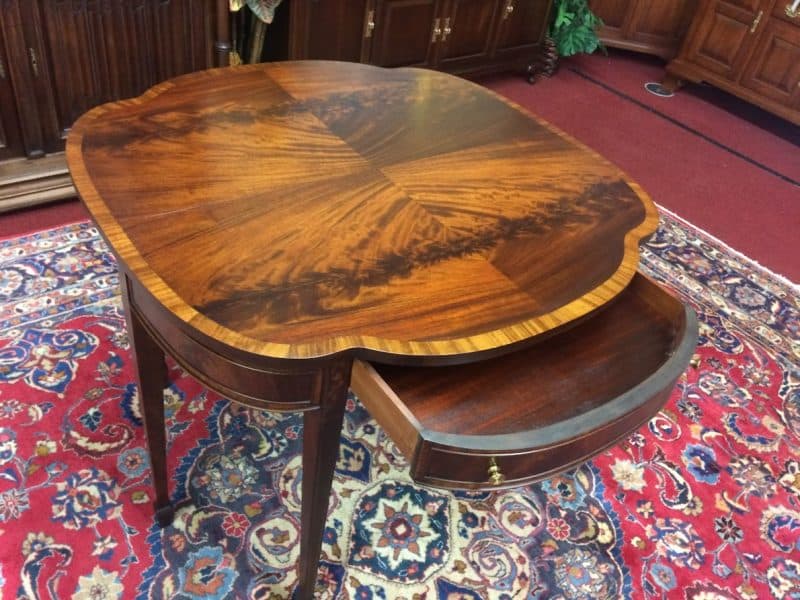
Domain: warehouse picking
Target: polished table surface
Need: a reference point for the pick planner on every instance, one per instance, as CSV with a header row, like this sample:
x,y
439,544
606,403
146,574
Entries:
x,y
274,222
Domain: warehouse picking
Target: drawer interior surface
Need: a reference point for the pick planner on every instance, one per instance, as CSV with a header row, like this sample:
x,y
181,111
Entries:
x,y
564,376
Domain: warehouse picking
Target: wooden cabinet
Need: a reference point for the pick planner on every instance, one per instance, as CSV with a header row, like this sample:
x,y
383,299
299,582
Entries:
x,y
467,37
324,30
773,71
66,56
722,38
59,58
467,33
520,27
750,48
643,25
405,33
10,135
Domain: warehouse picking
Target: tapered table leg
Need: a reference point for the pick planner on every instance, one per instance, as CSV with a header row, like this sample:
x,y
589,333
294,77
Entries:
x,y
321,431
152,374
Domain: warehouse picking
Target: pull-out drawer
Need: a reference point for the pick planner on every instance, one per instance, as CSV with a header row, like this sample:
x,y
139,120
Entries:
x,y
531,413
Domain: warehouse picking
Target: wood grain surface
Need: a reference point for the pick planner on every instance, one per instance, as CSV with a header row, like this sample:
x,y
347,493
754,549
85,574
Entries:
x,y
297,210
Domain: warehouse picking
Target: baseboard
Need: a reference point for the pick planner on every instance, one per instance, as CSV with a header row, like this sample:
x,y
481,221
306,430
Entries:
x,y
28,182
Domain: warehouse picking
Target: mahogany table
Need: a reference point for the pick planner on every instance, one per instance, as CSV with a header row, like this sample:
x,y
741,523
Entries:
x,y
273,223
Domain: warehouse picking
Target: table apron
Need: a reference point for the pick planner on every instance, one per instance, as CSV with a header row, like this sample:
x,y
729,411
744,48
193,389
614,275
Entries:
x,y
260,386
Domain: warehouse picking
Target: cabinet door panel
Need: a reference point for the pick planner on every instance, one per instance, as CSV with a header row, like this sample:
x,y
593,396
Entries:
x,y
774,69
470,23
662,23
614,14
10,135
329,30
403,32
107,50
724,39
522,27
28,77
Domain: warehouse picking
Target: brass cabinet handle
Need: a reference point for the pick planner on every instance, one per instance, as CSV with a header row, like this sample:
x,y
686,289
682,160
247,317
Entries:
x,y
793,9
437,30
369,26
34,61
495,476
756,21
507,10
446,31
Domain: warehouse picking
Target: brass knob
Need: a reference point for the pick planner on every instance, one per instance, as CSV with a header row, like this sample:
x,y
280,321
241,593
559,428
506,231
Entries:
x,y
370,25
495,476
446,31
793,9
756,21
695,362
437,30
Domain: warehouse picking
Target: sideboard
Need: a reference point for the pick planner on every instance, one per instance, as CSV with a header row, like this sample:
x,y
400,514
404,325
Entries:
x,y
59,58
749,48
465,37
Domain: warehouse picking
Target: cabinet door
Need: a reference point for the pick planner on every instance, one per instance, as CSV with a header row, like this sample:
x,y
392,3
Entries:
x,y
522,25
724,35
660,26
330,30
29,78
466,32
10,134
405,33
774,68
112,49
616,16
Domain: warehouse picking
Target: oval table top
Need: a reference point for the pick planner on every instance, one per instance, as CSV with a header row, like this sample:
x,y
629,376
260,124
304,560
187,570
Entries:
x,y
301,209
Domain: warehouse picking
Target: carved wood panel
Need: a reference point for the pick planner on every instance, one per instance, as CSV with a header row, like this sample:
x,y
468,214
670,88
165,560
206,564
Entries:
x,y
774,69
645,26
404,32
10,136
523,26
103,50
470,30
662,23
725,35
333,30
28,77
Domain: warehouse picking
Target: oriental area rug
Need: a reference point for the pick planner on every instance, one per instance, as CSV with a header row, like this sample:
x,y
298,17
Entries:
x,y
703,502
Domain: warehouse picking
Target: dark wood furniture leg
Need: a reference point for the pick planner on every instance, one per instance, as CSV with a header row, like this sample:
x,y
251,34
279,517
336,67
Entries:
x,y
152,374
322,428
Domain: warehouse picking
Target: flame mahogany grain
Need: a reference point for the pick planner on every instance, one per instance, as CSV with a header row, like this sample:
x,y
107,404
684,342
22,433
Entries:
x,y
297,210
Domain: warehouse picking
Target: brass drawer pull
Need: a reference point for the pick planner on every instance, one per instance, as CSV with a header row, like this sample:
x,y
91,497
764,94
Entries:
x,y
369,26
34,61
756,21
495,476
437,30
446,31
507,9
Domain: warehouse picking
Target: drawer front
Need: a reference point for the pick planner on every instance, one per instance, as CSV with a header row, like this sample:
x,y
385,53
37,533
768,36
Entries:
x,y
461,469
